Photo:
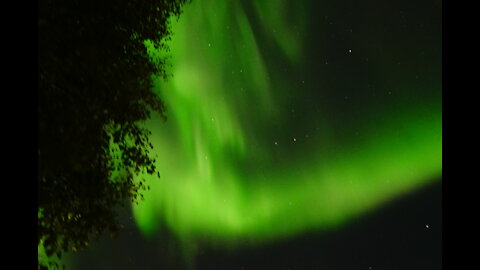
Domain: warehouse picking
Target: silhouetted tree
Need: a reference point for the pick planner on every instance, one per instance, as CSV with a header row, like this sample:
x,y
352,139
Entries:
x,y
94,88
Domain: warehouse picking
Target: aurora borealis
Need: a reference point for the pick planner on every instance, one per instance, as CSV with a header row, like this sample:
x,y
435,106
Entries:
x,y
285,119
232,167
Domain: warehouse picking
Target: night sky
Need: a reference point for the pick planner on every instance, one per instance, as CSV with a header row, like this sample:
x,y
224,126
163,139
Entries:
x,y
300,135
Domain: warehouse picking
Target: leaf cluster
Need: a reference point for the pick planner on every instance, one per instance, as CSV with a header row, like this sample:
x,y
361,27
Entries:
x,y
94,90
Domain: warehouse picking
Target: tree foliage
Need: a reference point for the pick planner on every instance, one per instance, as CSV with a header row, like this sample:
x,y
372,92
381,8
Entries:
x,y
94,88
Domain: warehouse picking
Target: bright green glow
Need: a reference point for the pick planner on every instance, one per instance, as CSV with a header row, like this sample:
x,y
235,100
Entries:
x,y
219,179
45,260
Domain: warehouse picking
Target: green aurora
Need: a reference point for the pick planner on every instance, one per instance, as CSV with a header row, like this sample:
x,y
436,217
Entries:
x,y
241,160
